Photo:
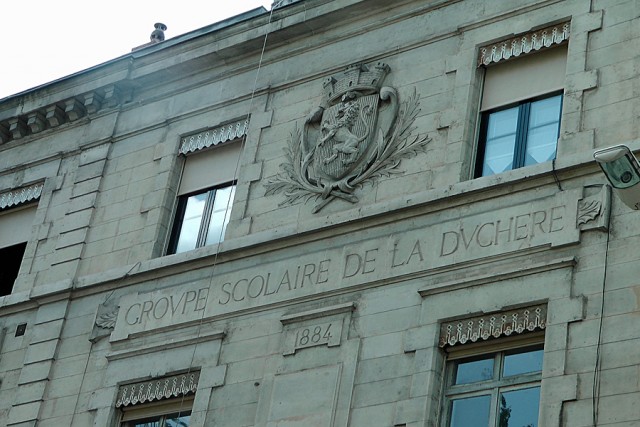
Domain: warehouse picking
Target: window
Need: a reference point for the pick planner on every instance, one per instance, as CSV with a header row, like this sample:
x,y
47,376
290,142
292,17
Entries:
x,y
15,231
205,198
522,135
520,112
162,402
499,389
201,218
174,413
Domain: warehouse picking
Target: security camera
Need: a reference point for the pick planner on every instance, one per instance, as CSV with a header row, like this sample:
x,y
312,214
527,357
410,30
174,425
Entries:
x,y
622,170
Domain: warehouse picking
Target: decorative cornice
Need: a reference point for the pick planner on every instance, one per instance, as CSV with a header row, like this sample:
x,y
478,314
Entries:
x,y
214,136
61,112
495,325
20,196
158,389
524,44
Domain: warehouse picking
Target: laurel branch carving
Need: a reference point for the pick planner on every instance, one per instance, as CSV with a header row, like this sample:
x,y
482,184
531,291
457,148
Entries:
x,y
588,210
297,184
107,320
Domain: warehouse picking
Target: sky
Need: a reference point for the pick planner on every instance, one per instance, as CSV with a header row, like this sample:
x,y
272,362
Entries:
x,y
44,40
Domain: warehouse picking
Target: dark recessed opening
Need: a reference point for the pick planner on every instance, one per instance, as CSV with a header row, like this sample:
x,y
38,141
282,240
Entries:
x,y
20,329
11,257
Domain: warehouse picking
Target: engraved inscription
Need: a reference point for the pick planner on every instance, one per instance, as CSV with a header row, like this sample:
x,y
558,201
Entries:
x,y
503,231
327,333
416,248
158,308
267,284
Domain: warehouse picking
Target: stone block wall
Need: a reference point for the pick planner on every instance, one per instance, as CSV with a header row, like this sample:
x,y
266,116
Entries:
x,y
371,281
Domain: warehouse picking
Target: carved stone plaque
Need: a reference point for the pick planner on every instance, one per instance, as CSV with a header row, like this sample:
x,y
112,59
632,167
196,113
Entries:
x,y
361,132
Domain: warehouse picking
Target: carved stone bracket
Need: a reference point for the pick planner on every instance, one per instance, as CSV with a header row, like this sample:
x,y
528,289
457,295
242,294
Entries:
x,y
593,210
105,321
61,112
496,325
524,44
158,389
214,136
20,196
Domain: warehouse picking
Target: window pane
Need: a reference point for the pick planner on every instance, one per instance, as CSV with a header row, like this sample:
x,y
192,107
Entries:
x,y
545,111
522,363
544,124
224,198
177,420
191,222
519,408
148,422
220,215
500,141
471,372
470,412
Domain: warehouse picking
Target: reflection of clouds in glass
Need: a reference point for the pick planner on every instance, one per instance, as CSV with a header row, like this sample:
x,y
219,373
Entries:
x,y
220,215
191,223
224,198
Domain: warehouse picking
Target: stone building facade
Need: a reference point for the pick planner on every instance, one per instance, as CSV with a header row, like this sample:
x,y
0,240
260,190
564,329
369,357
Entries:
x,y
337,213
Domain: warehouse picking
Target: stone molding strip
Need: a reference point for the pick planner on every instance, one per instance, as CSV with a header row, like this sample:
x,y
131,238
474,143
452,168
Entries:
x,y
524,44
214,136
20,196
158,389
482,328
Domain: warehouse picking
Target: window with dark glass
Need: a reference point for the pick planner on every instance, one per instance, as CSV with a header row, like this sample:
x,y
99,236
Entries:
x,y
520,112
205,197
201,218
521,135
500,389
15,231
172,413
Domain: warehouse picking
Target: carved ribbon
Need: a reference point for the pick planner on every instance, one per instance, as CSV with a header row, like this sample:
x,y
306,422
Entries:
x,y
152,390
482,328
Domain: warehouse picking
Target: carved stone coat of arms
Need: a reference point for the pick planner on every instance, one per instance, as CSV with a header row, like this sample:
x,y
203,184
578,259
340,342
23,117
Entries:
x,y
361,132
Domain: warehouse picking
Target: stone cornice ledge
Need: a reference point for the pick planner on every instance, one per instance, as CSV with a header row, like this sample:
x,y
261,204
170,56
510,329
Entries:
x,y
131,350
318,313
526,270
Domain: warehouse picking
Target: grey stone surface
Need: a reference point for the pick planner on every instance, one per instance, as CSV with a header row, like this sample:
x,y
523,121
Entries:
x,y
327,318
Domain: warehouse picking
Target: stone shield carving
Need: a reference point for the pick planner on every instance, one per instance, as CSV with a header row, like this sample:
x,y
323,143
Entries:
x,y
361,132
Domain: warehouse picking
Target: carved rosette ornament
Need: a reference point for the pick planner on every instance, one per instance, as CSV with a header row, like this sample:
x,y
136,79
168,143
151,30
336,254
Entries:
x,y
360,133
497,325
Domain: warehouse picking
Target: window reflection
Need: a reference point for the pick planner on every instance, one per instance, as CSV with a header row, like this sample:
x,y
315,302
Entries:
x,y
201,219
522,363
471,412
477,370
519,408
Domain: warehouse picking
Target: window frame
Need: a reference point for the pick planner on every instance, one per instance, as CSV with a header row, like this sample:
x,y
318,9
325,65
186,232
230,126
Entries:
x,y
522,127
495,386
18,249
161,409
181,206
